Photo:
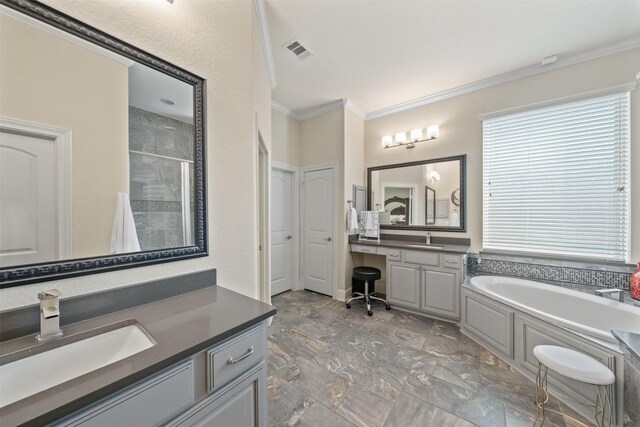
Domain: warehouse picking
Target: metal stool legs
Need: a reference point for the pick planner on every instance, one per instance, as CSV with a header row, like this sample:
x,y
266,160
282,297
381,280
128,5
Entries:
x,y
367,298
603,406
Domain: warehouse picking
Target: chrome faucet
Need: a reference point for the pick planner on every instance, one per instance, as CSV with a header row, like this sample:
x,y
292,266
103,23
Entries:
x,y
428,238
606,292
49,314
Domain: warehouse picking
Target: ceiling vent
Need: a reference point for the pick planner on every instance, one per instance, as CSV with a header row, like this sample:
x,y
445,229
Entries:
x,y
295,47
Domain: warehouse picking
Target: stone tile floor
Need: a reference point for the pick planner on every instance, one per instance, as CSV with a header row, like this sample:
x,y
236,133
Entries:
x,y
329,366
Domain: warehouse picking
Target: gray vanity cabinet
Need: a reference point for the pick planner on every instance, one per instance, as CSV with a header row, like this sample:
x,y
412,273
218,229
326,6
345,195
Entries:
x,y
234,392
441,292
242,403
403,284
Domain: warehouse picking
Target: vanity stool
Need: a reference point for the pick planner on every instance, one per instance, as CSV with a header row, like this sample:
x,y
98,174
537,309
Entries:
x,y
368,275
580,367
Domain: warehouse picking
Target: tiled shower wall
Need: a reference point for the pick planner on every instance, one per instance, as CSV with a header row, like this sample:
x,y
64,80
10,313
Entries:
x,y
155,182
602,275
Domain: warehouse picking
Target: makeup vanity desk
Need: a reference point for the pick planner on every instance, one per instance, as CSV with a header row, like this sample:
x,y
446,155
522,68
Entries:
x,y
424,279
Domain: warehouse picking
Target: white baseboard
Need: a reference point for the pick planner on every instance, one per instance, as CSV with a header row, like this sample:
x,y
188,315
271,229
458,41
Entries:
x,y
342,295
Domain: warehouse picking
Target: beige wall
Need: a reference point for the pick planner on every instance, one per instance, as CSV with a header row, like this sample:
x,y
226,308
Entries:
x,y
42,83
354,174
285,133
214,40
461,128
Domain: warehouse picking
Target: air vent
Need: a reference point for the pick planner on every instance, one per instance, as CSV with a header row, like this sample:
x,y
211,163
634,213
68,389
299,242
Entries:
x,y
295,47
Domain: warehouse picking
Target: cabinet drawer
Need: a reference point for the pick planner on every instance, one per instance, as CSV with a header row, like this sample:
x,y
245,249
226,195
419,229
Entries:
x,y
150,402
363,249
451,261
230,359
394,254
422,257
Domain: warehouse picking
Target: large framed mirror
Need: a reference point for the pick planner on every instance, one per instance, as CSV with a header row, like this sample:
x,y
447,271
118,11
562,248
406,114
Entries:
x,y
102,151
422,195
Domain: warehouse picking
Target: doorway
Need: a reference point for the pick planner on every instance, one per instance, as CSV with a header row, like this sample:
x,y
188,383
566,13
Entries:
x,y
263,221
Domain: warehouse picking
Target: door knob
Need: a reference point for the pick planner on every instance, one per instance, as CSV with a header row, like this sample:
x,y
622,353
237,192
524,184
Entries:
x,y
289,237
328,239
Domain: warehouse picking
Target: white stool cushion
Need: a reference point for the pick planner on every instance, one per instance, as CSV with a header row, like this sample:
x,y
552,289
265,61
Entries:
x,y
573,364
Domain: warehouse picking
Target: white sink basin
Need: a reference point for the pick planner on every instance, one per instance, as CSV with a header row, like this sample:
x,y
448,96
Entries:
x,y
63,359
426,246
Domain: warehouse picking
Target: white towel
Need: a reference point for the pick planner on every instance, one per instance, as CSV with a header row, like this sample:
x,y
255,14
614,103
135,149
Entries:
x,y
368,223
455,219
352,221
124,237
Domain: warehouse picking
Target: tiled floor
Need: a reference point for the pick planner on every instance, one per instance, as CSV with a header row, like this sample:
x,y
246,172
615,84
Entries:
x,y
329,366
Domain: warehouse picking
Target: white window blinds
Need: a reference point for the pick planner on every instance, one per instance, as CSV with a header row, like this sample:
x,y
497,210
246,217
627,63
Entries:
x,y
556,180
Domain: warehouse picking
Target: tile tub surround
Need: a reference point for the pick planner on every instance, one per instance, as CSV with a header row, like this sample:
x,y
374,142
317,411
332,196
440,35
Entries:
x,y
330,366
182,325
590,274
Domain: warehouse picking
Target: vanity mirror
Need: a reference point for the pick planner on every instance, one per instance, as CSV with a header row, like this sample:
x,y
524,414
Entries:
x,y
102,151
423,195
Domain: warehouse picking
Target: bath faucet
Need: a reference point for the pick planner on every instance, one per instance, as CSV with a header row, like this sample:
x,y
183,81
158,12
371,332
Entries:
x,y
49,315
428,238
606,292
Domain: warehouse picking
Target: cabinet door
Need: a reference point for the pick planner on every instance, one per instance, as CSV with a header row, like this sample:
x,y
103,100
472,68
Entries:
x,y
441,293
243,403
403,284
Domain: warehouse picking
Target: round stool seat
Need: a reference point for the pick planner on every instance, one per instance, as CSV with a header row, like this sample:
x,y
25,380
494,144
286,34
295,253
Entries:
x,y
573,364
367,273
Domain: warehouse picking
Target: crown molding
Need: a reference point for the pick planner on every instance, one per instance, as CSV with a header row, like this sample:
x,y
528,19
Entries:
x,y
263,24
283,109
65,36
349,105
324,108
521,73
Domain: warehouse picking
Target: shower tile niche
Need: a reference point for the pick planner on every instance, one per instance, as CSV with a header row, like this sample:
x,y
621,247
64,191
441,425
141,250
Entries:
x,y
161,179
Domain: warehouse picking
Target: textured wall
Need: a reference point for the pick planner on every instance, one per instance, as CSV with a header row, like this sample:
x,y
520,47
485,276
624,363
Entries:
x,y
214,40
285,139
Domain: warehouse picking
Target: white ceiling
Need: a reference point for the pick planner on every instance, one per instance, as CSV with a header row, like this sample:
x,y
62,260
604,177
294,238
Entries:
x,y
148,86
380,53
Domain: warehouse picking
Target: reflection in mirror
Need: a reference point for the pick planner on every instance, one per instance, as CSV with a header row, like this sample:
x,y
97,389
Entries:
x,y
423,195
98,151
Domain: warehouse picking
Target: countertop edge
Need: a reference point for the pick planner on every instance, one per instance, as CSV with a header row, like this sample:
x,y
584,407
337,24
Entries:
x,y
400,244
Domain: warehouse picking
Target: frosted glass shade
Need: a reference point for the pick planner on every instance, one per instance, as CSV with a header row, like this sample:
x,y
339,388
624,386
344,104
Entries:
x,y
416,135
387,141
433,132
401,138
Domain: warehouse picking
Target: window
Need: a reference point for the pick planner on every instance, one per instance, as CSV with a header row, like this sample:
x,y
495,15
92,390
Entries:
x,y
556,180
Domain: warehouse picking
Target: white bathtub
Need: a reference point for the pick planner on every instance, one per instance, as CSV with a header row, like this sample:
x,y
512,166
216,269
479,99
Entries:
x,y
579,311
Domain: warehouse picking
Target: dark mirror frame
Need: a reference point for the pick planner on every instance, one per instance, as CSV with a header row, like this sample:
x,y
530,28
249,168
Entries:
x,y
463,169
27,274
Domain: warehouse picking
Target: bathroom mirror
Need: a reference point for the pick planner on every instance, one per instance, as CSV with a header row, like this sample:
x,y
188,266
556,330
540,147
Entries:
x,y
423,195
102,151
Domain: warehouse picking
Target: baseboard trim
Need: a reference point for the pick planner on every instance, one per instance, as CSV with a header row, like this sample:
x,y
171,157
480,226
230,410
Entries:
x,y
342,295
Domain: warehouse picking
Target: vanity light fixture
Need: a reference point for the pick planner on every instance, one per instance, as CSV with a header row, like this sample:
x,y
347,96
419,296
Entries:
x,y
434,176
416,135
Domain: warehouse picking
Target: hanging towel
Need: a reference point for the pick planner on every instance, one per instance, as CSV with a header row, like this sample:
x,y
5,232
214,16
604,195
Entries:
x,y
352,221
368,221
124,237
455,219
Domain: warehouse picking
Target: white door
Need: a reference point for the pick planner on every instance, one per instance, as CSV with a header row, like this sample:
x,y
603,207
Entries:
x,y
28,229
281,231
319,208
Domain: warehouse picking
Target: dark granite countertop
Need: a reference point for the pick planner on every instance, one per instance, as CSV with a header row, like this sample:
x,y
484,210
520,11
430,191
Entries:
x,y
629,340
404,244
182,326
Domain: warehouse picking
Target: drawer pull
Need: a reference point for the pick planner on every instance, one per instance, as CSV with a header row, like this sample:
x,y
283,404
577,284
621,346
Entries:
x,y
231,360
451,262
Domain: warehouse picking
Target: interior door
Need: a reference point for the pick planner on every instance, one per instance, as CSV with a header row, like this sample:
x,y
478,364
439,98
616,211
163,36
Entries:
x,y
318,224
28,230
281,231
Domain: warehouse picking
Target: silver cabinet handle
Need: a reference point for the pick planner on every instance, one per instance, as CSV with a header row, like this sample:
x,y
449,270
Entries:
x,y
231,360
328,239
289,237
451,262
